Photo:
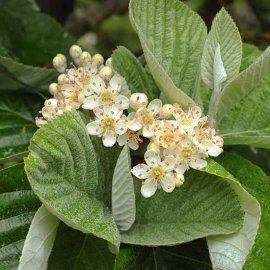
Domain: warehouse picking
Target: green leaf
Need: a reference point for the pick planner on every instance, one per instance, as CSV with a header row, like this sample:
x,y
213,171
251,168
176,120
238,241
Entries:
x,y
17,123
189,256
225,33
250,54
204,205
16,75
248,121
75,250
127,65
243,84
123,196
62,170
32,37
230,251
18,205
257,184
172,38
39,241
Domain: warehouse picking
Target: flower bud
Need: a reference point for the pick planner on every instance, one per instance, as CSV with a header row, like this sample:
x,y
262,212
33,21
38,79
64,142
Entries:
x,y
75,52
60,63
53,88
85,58
61,79
138,100
179,180
108,62
106,73
167,111
98,59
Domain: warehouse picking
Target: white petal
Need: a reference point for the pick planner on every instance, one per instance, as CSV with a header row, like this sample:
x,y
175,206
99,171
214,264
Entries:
x,y
148,188
168,183
140,171
94,128
115,83
90,103
116,111
109,139
133,123
195,112
148,132
155,106
152,158
97,84
169,163
123,101
122,139
121,127
181,168
198,163
133,145
214,151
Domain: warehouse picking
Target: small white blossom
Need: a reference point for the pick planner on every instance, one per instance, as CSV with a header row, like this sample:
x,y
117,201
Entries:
x,y
138,100
158,174
109,123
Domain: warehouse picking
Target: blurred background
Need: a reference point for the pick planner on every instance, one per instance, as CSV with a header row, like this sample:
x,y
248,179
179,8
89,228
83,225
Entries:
x,y
104,24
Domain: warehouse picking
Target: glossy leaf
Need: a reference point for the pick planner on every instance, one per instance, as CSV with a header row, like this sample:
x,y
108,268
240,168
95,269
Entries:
x,y
62,170
39,241
123,196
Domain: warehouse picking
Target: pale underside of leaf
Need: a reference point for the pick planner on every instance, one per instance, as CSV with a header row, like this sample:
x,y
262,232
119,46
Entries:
x,y
229,252
225,33
39,241
243,83
123,196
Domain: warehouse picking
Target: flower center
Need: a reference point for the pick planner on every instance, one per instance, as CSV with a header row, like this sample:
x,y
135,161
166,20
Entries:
x,y
108,123
106,96
147,119
186,152
186,121
157,173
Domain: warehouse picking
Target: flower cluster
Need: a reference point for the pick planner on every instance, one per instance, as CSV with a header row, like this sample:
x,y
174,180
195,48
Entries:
x,y
178,139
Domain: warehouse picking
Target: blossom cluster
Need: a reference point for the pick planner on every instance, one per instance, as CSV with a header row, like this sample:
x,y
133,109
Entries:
x,y
179,139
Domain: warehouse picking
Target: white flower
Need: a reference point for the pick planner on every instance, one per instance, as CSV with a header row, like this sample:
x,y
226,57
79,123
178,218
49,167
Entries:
x,y
188,119
156,172
187,155
105,95
109,123
132,138
167,111
207,140
167,133
138,100
147,117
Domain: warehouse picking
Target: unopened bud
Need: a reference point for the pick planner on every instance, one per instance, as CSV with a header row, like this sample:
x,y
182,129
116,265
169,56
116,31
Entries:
x,y
85,58
61,79
138,100
167,111
53,88
108,62
179,181
75,52
98,59
106,73
60,63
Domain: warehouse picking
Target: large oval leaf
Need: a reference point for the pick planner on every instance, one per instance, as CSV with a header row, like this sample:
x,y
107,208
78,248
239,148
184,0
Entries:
x,y
172,37
204,205
18,205
62,171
